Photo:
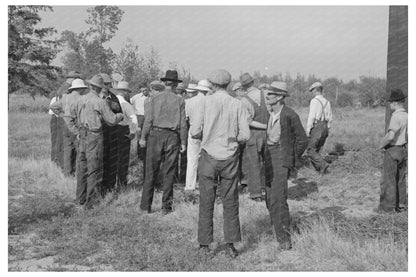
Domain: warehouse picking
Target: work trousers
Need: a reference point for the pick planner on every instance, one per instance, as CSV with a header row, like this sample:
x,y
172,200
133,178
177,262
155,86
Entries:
x,y
89,168
182,165
57,138
162,154
276,193
123,155
393,184
70,151
210,171
193,150
317,139
110,137
254,154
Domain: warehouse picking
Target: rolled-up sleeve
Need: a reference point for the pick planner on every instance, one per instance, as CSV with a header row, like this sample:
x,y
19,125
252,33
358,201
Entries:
x,y
198,122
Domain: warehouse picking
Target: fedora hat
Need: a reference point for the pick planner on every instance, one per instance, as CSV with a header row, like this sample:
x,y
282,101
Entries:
x,y
277,88
220,77
77,84
171,75
106,78
96,81
191,88
123,85
246,79
73,74
204,85
396,95
315,85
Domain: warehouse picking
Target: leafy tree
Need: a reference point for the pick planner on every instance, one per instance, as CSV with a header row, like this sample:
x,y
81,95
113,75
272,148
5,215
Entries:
x,y
86,50
30,51
137,68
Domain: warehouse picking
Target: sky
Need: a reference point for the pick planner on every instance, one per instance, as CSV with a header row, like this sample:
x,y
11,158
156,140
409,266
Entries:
x,y
327,41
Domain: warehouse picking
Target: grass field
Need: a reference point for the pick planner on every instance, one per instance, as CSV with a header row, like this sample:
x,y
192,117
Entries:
x,y
334,228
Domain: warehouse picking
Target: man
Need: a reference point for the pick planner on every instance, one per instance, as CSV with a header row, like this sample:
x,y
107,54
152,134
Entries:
x,y
286,140
110,133
138,103
190,91
238,91
393,195
57,123
192,108
254,102
63,108
222,124
164,129
180,89
127,129
317,127
92,112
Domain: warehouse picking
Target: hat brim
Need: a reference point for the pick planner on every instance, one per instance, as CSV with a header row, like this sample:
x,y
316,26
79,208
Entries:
x,y
205,89
246,82
73,76
280,93
172,80
398,99
72,88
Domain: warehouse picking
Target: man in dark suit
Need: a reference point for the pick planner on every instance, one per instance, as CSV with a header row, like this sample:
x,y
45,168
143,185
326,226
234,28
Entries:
x,y
286,141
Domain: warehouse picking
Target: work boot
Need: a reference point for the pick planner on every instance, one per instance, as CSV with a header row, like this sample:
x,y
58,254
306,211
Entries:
x,y
324,170
166,211
230,251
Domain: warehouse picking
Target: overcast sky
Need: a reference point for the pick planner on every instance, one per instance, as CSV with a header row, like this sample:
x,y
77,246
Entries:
x,y
340,41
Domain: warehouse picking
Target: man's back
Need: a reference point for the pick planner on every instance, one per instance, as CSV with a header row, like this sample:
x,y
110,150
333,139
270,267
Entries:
x,y
224,125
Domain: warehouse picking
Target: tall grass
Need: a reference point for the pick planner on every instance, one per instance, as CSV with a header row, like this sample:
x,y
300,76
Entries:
x,y
118,236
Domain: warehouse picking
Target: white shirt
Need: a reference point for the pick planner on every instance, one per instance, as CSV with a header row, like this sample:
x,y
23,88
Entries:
x,y
129,115
193,106
138,102
316,113
53,100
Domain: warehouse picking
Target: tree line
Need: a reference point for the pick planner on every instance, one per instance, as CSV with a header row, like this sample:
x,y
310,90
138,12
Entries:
x,y
32,50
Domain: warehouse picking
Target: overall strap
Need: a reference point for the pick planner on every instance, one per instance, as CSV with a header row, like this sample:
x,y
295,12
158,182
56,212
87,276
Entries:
x,y
323,109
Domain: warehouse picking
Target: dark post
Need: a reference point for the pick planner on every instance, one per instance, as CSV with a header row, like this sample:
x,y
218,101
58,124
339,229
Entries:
x,y
397,57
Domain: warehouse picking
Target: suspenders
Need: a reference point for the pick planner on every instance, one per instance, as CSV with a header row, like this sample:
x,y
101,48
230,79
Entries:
x,y
323,110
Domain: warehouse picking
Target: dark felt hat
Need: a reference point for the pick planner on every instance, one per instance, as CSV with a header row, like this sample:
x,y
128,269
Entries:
x,y
73,74
396,95
171,75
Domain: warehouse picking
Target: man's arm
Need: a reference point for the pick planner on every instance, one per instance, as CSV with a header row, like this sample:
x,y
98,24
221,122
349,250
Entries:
x,y
148,119
313,108
107,115
183,129
243,128
72,120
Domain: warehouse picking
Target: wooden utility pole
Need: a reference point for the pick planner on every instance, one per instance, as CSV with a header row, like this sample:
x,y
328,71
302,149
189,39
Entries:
x,y
397,54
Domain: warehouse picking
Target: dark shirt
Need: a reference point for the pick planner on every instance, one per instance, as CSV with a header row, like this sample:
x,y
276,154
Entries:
x,y
165,110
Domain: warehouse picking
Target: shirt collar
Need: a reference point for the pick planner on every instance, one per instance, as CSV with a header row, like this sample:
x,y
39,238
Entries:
x,y
399,110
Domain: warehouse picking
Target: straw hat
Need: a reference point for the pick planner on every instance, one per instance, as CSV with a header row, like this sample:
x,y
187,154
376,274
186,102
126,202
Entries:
x,y
77,84
315,85
123,85
277,88
246,79
204,85
191,88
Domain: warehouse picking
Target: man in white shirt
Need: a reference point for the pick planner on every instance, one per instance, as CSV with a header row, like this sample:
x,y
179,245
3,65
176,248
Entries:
x,y
192,108
138,103
317,127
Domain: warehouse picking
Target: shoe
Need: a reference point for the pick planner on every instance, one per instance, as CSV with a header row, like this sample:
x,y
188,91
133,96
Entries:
x,y
230,251
166,211
285,246
324,170
204,249
149,210
400,209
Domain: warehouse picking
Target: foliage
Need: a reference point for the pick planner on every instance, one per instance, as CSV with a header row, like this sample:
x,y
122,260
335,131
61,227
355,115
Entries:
x,y
138,68
30,51
86,52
